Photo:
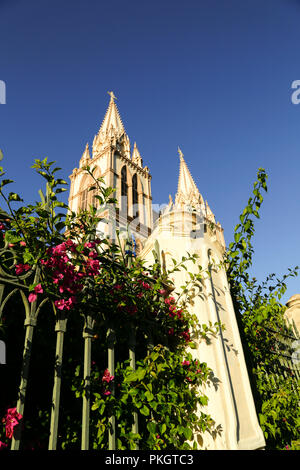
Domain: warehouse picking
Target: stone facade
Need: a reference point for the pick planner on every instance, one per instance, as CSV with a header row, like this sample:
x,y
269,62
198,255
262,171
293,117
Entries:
x,y
185,225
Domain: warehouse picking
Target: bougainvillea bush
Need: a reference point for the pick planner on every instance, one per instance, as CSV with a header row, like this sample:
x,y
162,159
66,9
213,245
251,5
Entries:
x,y
58,255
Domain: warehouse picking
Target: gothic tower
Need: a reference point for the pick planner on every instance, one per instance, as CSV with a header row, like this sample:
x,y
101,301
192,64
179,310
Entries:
x,y
188,225
122,170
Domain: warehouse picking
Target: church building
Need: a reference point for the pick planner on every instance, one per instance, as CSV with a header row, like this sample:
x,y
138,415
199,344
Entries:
x,y
185,224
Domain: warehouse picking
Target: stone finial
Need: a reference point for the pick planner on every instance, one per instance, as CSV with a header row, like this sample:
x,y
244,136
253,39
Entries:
x,y
136,156
85,156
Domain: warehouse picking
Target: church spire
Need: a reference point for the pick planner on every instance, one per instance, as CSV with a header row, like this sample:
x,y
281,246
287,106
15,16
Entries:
x,y
187,191
112,120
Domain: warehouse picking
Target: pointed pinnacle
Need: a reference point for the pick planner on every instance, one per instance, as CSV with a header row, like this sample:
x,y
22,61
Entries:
x,y
180,153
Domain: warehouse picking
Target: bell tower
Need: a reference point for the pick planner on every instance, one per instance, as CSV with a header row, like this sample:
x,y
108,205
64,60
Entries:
x,y
122,170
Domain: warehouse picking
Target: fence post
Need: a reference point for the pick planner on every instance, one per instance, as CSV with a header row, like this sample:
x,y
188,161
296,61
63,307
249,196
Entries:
x,y
29,323
87,335
15,444
60,328
111,367
132,344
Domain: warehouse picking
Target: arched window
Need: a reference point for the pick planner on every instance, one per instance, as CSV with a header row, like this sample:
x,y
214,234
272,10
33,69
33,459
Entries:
x,y
84,199
135,197
124,189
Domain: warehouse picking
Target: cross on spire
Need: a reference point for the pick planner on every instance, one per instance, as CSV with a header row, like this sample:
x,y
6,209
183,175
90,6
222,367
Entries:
x,y
112,95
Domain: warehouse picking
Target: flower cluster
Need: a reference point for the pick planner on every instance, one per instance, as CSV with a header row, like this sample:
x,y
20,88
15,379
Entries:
x,y
106,381
177,314
33,295
20,268
11,420
193,368
67,278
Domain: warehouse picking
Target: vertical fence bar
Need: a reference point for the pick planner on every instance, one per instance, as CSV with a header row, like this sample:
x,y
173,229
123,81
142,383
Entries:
x,y
29,323
87,335
16,440
132,345
60,328
111,367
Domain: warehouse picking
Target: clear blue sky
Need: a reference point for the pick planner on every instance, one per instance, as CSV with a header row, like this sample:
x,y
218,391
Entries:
x,y
212,76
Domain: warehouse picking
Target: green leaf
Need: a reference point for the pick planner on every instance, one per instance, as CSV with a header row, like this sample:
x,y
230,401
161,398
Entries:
x,y
11,237
137,375
188,434
60,190
149,395
14,197
145,411
151,427
5,182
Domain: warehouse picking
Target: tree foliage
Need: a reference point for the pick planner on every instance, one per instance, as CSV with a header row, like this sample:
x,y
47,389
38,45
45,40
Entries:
x,y
263,329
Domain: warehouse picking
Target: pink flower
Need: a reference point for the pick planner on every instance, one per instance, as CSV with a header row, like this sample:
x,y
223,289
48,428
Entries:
x,y
186,363
169,300
21,267
2,227
70,245
63,304
60,304
93,267
22,243
107,377
162,291
90,245
107,392
32,297
146,285
171,332
38,289
11,420
186,336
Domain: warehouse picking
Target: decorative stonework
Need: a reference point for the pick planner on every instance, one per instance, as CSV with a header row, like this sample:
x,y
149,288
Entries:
x,y
110,153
